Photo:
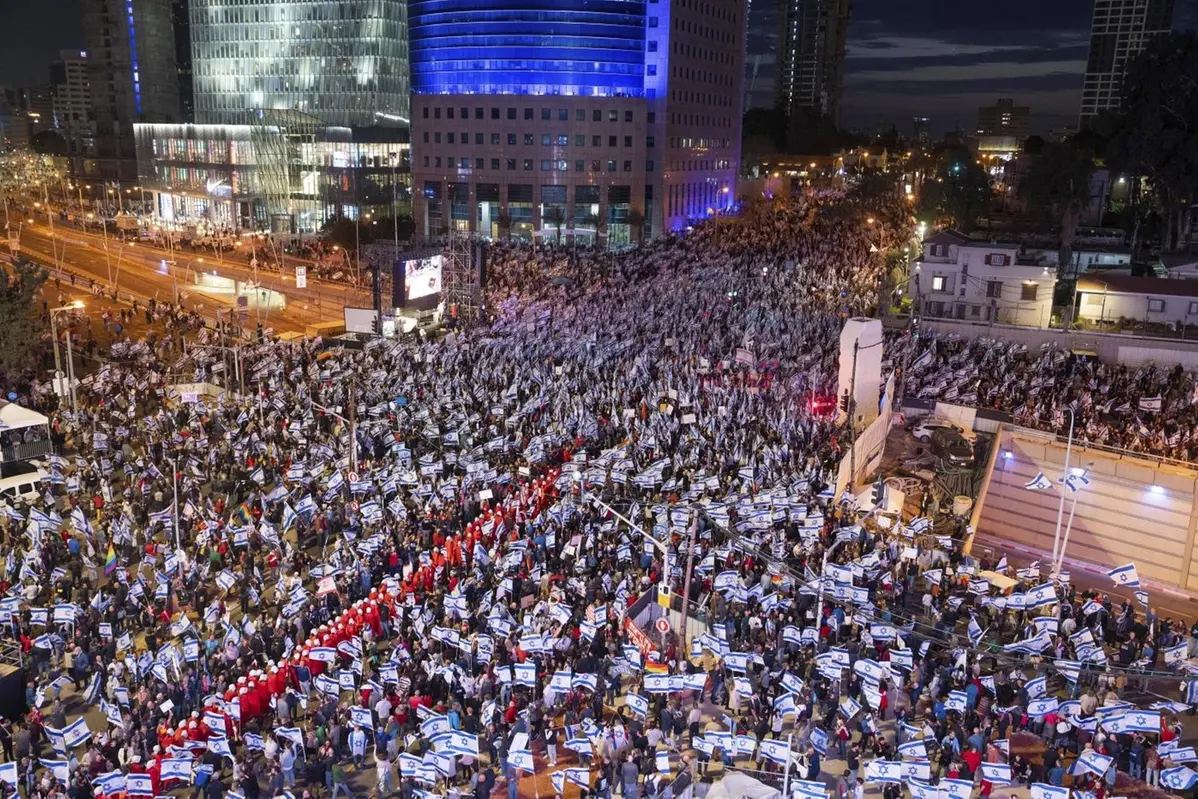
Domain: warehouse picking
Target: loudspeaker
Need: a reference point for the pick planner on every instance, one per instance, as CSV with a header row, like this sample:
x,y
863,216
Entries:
x,y
481,260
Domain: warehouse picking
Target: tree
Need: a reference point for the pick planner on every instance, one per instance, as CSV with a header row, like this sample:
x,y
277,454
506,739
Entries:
x,y
956,190
1155,135
343,232
23,326
504,221
1056,189
49,142
555,216
636,221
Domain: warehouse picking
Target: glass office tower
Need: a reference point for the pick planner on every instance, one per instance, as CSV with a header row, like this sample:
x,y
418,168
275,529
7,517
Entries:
x,y
343,62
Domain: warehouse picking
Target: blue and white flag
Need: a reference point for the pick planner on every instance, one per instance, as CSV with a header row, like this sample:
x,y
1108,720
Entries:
x,y
956,789
60,768
996,773
1125,576
1179,779
1040,790
883,771
521,759
526,674
139,785
1038,483
219,744
76,733
806,789
915,749
177,768
1093,762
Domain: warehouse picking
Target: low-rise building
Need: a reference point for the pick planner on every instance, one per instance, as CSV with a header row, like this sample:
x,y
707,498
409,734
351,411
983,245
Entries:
x,y
1122,298
982,281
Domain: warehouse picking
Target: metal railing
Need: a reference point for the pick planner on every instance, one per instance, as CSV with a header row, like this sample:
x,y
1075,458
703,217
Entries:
x,y
25,450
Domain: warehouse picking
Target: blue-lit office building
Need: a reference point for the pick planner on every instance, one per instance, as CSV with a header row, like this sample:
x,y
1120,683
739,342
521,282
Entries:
x,y
591,115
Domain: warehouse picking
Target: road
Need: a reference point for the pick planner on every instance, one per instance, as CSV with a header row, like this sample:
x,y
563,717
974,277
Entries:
x,y
143,272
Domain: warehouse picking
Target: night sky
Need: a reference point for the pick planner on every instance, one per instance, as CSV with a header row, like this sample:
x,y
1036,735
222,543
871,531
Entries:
x,y
935,58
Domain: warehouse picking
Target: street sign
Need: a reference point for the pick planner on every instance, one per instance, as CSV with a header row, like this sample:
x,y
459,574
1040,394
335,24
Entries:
x,y
353,477
662,625
301,277
243,301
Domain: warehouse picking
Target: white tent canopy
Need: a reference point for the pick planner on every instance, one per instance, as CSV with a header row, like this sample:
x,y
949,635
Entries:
x,y
14,417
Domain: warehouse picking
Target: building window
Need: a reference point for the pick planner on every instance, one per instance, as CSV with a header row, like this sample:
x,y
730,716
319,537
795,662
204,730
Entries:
x,y
546,139
596,141
426,137
437,162
437,137
527,164
579,165
627,141
627,116
546,114
993,288
938,250
545,165
1193,308
478,113
596,115
1156,306
611,166
653,47
975,311
437,112
580,115
527,113
494,113
939,283
562,166
495,139
648,166
480,163
563,115
596,165
511,139
495,164
651,117
449,112
627,166
611,141
528,140
1029,291
449,139
613,115
511,113
426,160
563,141
580,140
449,162
478,138
650,141
426,113
652,22
511,164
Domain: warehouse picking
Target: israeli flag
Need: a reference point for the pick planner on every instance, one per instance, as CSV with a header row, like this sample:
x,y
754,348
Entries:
x,y
956,789
521,759
219,744
363,717
996,773
1150,403
883,771
254,742
177,768
1094,763
637,704
526,674
139,785
76,733
1179,779
1074,482
1038,483
1142,598
1069,669
1125,576
662,761
1041,595
1041,791
1143,721
92,694
806,789
915,749
776,751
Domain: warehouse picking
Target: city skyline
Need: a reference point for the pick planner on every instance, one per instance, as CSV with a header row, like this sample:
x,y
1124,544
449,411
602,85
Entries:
x,y
902,62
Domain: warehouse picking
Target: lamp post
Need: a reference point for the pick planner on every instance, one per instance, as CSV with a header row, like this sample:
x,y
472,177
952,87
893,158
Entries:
x,y
54,334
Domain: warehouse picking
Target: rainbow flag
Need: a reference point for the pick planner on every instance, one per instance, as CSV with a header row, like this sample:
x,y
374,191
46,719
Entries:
x,y
243,515
110,560
656,668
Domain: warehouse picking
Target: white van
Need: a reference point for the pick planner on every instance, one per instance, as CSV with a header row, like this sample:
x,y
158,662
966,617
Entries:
x,y
22,486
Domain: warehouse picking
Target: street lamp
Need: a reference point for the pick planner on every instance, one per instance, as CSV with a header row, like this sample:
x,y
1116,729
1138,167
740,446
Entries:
x,y
72,306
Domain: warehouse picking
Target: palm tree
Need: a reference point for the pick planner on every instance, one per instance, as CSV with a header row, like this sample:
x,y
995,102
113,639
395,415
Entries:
x,y
504,220
636,220
555,216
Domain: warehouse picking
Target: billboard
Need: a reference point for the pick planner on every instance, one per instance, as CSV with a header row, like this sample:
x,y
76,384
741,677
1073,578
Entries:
x,y
423,277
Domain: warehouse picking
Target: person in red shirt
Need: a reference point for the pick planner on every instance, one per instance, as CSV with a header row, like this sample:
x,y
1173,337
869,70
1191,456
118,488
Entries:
x,y
972,759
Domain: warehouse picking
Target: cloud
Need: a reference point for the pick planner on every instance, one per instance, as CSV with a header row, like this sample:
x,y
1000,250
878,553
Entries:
x,y
896,47
954,73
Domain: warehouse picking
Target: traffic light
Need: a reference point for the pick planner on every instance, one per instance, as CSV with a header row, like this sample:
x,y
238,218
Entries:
x,y
878,493
374,323
845,401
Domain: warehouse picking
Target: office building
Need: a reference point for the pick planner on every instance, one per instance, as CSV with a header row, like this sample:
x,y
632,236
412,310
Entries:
x,y
1004,118
181,24
1119,30
811,56
132,77
526,123
71,85
344,63
287,173
921,131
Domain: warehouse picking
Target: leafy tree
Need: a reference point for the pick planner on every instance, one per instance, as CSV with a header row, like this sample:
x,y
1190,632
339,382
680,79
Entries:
x,y
1056,189
636,221
555,216
342,231
504,221
21,332
1155,135
49,142
956,190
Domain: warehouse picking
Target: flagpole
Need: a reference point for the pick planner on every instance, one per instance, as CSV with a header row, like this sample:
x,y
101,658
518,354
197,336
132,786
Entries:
x,y
1056,536
175,500
1061,559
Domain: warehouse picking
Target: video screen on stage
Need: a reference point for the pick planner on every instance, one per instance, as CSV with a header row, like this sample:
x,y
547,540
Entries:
x,y
423,277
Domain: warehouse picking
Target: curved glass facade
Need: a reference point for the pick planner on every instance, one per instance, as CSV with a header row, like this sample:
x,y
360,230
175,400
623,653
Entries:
x,y
535,47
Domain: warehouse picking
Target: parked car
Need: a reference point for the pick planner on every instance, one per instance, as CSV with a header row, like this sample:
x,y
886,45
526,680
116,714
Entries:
x,y
924,428
949,445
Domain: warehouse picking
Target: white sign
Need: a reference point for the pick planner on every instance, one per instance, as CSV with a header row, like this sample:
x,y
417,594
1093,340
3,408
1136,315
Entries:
x,y
189,397
14,245
663,625
301,277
